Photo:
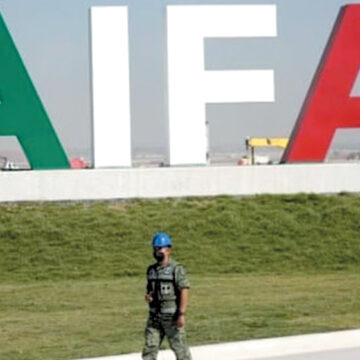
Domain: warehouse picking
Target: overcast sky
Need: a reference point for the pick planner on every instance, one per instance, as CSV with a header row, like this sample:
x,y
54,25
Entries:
x,y
53,38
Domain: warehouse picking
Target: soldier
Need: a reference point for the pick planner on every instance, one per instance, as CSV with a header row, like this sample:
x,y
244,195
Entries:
x,y
167,294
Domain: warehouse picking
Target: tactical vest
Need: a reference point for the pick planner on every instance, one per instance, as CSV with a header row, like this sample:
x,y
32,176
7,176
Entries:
x,y
161,283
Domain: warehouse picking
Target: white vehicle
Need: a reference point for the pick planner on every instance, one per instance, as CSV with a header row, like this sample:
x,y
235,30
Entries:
x,y
5,164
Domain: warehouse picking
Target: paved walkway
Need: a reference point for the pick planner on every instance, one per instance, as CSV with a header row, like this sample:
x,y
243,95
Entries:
x,y
347,354
340,345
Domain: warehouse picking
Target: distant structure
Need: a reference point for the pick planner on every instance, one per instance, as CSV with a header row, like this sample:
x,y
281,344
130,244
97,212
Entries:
x,y
253,142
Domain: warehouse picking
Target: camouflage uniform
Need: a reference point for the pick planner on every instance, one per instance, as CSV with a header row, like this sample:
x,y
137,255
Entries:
x,y
165,284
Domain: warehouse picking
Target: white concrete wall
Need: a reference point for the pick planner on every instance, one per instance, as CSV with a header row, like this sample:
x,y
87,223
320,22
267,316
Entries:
x,y
177,182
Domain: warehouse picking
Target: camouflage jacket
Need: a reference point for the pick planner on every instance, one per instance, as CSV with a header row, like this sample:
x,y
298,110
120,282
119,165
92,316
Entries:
x,y
165,283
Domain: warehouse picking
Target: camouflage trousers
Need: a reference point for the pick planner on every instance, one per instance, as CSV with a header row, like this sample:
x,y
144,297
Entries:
x,y
159,326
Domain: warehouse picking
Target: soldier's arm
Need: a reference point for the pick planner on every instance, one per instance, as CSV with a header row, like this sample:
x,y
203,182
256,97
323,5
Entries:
x,y
184,295
148,295
181,279
183,287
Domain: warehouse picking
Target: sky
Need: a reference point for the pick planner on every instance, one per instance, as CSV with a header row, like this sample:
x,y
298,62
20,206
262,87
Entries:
x,y
53,38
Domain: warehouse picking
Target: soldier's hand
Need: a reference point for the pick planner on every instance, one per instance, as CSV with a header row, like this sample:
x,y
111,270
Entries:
x,y
148,298
181,321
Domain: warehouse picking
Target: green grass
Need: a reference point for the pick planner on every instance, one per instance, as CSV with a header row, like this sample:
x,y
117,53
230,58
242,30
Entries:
x,y
75,319
264,234
72,274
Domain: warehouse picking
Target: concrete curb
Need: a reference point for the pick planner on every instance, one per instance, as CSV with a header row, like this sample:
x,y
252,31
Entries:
x,y
264,348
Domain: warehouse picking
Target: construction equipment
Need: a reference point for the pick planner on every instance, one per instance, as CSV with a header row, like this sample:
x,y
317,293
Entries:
x,y
254,142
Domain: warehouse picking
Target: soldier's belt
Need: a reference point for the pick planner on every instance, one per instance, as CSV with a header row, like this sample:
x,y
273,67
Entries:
x,y
163,310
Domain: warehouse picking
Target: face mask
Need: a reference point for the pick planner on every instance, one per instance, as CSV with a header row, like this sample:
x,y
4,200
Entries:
x,y
159,256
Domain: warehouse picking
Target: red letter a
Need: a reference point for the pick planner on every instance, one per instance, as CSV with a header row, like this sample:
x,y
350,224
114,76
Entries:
x,y
328,105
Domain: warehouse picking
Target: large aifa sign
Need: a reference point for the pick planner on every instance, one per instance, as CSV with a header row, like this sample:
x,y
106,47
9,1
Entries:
x,y
327,107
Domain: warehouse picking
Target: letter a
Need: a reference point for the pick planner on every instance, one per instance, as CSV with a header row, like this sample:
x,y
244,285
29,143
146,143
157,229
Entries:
x,y
21,111
328,105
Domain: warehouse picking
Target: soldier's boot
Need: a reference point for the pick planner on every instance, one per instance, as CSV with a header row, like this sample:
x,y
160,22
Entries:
x,y
149,354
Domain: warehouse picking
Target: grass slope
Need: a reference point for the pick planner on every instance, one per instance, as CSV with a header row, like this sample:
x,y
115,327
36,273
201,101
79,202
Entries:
x,y
264,234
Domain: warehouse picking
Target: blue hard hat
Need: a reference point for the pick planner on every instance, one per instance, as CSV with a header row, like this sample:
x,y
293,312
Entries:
x,y
161,239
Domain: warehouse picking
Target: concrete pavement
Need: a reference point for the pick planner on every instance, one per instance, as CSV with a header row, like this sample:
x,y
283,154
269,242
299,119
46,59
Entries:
x,y
347,354
340,345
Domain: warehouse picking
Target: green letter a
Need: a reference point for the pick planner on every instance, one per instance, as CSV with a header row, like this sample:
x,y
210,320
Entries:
x,y
21,111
